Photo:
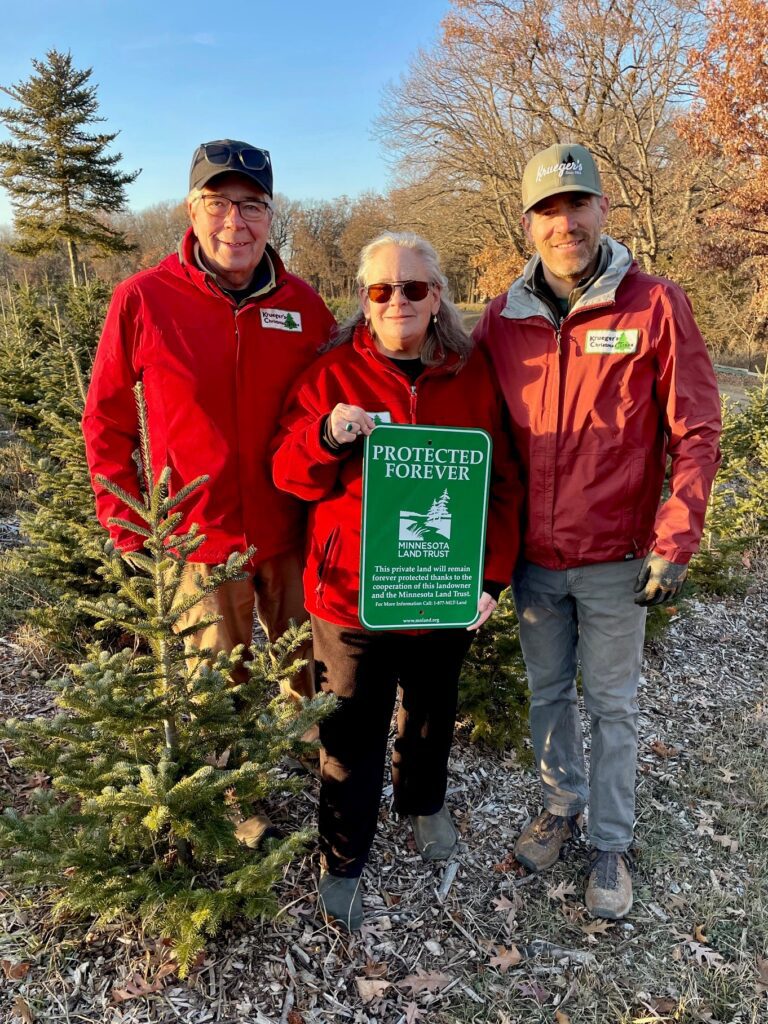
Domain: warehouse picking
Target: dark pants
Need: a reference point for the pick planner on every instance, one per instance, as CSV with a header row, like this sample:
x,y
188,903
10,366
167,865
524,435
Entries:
x,y
364,669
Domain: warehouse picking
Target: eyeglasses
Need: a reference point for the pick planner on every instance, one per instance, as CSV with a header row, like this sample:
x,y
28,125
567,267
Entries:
x,y
414,291
249,209
250,157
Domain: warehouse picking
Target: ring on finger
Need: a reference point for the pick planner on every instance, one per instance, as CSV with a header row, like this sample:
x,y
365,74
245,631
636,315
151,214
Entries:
x,y
349,426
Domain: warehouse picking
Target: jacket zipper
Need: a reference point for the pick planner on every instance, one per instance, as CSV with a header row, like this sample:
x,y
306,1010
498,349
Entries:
x,y
412,406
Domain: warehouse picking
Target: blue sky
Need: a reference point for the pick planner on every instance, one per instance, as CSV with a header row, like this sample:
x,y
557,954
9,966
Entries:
x,y
304,80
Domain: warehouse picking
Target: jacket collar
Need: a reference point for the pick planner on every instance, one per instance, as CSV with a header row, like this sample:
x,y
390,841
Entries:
x,y
189,257
522,303
363,342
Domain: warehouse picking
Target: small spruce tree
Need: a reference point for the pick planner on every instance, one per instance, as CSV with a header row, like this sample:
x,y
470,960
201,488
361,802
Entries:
x,y
493,689
154,750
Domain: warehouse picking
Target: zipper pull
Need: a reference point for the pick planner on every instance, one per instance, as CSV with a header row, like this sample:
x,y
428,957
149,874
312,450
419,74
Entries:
x,y
558,341
413,403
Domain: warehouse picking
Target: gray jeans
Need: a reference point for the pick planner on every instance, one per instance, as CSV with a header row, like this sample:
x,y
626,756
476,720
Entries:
x,y
585,616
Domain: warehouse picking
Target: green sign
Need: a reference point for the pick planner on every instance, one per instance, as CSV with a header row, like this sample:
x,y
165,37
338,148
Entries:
x,y
425,503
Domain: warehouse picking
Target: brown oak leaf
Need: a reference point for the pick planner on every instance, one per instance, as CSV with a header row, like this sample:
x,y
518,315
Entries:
x,y
660,749
375,969
762,974
412,1013
371,988
20,1008
506,958
424,981
561,892
136,988
561,1017
14,972
705,956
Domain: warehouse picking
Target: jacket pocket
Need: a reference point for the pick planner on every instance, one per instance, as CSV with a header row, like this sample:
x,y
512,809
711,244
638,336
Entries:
x,y
327,559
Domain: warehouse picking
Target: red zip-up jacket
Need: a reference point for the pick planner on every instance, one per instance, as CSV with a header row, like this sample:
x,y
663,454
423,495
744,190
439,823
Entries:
x,y
356,373
597,405
215,378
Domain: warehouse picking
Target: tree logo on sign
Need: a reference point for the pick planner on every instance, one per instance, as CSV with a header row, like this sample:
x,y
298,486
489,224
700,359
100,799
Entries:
x,y
420,525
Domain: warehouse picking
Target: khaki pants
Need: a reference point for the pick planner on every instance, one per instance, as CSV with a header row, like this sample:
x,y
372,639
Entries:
x,y
274,591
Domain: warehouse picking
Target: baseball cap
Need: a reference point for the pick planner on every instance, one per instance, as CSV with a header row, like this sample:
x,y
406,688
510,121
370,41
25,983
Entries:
x,y
564,167
227,156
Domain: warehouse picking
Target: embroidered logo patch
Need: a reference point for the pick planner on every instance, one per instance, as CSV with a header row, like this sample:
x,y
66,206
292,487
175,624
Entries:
x,y
280,319
611,342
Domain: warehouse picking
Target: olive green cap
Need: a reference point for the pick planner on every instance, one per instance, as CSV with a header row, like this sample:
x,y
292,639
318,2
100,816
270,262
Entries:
x,y
564,167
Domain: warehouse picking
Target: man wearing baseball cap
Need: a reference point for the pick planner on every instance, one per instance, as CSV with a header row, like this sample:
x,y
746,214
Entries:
x,y
217,332
607,379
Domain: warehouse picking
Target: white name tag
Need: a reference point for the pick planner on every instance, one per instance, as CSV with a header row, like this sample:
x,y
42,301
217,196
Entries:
x,y
280,319
611,342
380,417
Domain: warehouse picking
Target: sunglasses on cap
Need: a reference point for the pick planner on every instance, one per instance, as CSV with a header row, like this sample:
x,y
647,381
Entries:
x,y
414,291
219,154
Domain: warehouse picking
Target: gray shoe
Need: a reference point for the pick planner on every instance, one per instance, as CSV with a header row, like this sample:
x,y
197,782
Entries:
x,y
541,841
435,834
340,900
609,889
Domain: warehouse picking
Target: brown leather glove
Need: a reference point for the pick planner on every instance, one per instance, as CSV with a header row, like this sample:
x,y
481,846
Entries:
x,y
658,580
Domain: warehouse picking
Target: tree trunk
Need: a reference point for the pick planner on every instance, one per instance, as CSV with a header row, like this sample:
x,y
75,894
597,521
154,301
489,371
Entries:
x,y
72,253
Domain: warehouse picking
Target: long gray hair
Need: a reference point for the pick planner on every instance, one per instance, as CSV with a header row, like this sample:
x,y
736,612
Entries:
x,y
446,333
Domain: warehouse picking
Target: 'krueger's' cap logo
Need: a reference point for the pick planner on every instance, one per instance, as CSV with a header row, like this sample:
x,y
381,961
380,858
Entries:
x,y
560,168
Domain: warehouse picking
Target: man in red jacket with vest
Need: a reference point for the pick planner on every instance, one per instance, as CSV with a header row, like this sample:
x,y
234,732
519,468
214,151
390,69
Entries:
x,y
217,332
606,377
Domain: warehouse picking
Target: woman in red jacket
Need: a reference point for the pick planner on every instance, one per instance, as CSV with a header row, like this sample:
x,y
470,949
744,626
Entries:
x,y
406,353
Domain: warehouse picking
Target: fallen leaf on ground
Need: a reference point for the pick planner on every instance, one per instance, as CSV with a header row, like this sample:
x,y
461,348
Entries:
x,y
506,958
597,927
136,988
424,981
561,892
698,934
731,845
375,969
704,955
663,1005
561,1017
660,749
728,775
509,863
762,975
533,990
14,972
20,1008
370,989
294,1017
412,1013
505,906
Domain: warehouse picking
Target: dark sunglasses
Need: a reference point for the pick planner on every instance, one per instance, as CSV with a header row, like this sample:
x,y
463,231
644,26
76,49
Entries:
x,y
414,291
253,159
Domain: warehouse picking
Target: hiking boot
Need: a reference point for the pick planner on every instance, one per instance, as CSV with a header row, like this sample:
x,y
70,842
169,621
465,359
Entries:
x,y
539,844
254,831
609,888
340,900
435,834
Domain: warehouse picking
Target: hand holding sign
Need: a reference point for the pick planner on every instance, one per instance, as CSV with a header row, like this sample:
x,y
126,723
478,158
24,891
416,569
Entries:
x,y
348,422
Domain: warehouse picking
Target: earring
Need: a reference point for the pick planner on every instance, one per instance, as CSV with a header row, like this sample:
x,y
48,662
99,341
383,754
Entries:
x,y
434,319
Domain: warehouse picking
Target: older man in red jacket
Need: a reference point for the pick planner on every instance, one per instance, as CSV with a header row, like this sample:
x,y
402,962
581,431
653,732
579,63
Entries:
x,y
217,332
606,377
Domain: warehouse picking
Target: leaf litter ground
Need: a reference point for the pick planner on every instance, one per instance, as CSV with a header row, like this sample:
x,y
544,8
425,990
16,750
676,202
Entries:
x,y
477,939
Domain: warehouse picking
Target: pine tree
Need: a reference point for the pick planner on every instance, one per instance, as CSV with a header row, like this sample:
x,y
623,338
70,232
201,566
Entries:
x,y
61,180
46,345
153,751
493,689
